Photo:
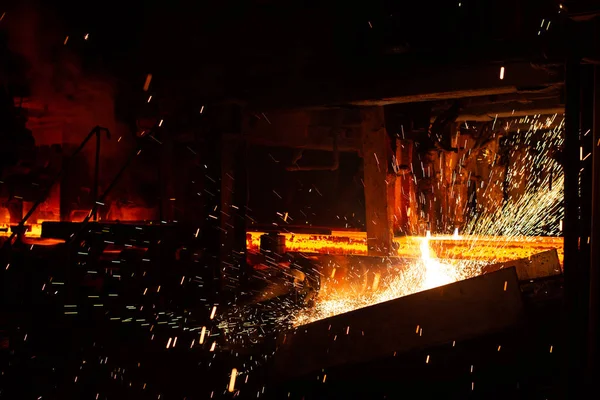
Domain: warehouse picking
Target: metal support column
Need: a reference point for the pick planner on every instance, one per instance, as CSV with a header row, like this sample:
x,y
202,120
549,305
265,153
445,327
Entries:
x,y
96,174
575,316
233,200
594,296
375,160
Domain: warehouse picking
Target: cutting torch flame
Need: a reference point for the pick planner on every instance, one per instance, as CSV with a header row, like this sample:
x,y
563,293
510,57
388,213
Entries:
x,y
425,273
436,273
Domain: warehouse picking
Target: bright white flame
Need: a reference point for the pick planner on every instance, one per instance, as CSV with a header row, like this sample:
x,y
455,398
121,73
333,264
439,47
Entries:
x,y
426,273
436,273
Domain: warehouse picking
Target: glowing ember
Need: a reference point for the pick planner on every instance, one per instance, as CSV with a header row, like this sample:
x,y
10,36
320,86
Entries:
x,y
231,386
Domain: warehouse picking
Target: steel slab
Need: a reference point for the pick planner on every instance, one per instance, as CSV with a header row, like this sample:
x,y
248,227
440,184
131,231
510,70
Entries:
x,y
473,307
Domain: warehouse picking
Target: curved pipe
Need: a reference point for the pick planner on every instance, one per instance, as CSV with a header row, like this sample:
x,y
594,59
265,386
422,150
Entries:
x,y
333,167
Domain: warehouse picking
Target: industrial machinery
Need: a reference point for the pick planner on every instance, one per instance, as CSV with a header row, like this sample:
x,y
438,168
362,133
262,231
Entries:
x,y
407,197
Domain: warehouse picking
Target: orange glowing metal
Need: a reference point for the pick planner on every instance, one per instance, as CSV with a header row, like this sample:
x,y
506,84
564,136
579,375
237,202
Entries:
x,y
465,247
33,230
436,261
336,243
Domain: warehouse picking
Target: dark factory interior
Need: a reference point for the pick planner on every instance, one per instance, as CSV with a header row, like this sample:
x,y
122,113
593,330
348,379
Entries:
x,y
299,199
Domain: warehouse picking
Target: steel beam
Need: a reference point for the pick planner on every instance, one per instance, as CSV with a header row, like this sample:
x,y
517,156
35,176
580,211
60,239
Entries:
x,y
482,305
541,265
117,233
401,81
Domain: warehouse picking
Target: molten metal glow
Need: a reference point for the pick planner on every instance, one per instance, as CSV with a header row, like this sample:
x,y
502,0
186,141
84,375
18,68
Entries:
x,y
426,272
33,230
422,263
457,247
340,243
525,219
436,273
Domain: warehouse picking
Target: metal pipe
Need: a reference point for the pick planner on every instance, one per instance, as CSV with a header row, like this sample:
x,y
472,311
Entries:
x,y
333,167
